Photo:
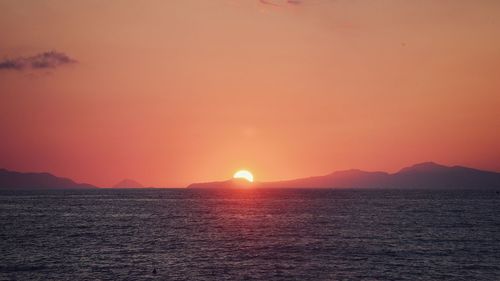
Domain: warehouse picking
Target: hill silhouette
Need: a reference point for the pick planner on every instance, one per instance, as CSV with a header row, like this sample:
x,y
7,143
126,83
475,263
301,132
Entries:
x,y
232,183
426,175
128,183
18,180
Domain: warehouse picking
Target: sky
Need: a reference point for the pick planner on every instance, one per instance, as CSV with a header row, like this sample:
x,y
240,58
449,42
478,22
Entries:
x,y
173,92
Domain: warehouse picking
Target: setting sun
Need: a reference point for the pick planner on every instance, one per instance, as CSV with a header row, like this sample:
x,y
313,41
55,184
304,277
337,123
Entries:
x,y
243,174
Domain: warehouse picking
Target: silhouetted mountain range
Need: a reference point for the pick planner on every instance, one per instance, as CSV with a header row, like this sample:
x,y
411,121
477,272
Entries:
x,y
427,175
424,175
128,183
225,184
18,180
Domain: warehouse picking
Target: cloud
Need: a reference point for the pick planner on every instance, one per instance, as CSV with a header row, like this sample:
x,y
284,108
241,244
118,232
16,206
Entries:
x,y
265,2
280,3
51,59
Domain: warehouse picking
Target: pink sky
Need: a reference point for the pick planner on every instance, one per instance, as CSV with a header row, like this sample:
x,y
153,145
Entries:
x,y
172,92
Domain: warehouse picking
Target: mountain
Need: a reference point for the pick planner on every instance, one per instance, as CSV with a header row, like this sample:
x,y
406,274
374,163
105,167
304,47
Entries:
x,y
128,183
427,175
340,179
432,175
232,183
17,180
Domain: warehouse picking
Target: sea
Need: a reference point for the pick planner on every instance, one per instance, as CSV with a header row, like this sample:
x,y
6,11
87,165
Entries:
x,y
249,234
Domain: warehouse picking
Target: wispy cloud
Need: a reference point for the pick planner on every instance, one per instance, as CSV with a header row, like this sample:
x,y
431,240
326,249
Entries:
x,y
280,3
45,60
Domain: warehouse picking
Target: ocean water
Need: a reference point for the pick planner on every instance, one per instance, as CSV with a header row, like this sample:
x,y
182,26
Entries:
x,y
249,235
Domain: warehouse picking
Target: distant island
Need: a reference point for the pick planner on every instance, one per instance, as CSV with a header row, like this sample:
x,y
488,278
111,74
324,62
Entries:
x,y
128,183
426,175
18,180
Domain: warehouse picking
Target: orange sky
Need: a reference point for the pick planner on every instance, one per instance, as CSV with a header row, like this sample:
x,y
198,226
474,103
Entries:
x,y
172,92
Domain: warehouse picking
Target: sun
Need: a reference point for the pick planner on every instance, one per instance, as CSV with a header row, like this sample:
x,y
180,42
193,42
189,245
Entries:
x,y
243,174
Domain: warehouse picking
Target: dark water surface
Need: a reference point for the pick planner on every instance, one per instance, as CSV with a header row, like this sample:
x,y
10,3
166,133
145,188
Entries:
x,y
249,235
